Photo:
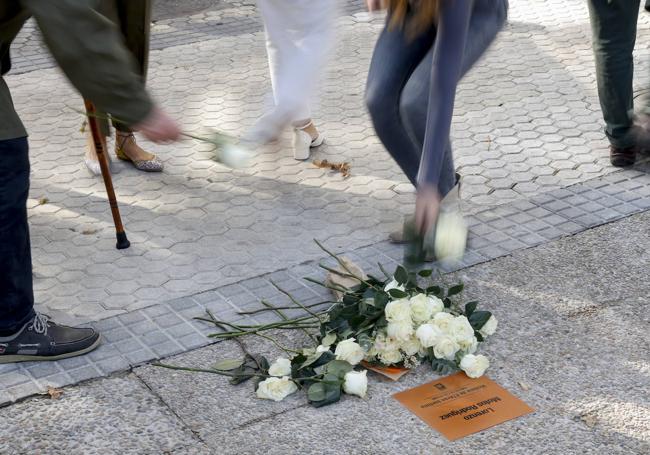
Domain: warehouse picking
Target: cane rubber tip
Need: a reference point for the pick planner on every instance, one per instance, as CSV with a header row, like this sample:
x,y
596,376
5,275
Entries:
x,y
122,241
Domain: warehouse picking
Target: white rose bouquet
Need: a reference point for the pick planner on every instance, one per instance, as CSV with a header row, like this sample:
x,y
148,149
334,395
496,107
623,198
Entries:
x,y
395,321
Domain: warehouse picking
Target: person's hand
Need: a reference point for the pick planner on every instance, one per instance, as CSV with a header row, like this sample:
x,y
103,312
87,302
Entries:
x,y
374,5
427,204
159,127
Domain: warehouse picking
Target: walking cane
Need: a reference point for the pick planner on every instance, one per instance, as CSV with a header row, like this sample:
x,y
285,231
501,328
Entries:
x,y
122,241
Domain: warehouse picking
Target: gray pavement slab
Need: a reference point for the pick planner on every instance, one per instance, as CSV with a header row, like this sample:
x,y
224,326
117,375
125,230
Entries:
x,y
572,342
117,416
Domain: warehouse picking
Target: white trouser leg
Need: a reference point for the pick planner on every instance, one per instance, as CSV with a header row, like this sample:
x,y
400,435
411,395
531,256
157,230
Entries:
x,y
299,35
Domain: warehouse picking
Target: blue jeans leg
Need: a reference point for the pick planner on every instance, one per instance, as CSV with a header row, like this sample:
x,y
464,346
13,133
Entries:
x,y
393,62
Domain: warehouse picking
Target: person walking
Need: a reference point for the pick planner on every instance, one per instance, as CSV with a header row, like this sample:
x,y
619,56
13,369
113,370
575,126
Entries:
x,y
614,26
299,36
424,50
88,48
134,20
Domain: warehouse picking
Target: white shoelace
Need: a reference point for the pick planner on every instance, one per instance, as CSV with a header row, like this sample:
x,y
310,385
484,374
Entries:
x,y
40,323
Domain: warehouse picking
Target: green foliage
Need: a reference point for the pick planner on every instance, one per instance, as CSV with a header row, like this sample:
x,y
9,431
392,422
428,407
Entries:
x,y
454,290
470,307
443,367
478,319
398,294
252,365
401,275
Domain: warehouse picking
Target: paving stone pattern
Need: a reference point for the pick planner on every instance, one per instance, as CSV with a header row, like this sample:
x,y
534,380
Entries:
x,y
571,343
219,18
527,122
165,329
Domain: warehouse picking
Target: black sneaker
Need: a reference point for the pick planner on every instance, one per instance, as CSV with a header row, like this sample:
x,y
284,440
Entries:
x,y
42,339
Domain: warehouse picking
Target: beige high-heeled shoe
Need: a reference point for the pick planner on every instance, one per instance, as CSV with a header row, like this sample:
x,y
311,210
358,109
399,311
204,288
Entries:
x,y
151,165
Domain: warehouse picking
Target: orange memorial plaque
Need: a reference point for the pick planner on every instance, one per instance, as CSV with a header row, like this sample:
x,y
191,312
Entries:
x,y
458,406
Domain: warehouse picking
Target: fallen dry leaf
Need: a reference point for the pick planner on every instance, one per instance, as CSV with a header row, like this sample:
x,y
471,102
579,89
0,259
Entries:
x,y
343,168
89,231
43,201
54,393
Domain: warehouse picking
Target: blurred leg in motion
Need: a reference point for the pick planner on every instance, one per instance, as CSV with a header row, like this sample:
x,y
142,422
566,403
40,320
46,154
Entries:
x,y
299,37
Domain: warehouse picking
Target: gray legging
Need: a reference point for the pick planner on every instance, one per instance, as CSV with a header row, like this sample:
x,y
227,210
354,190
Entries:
x,y
397,92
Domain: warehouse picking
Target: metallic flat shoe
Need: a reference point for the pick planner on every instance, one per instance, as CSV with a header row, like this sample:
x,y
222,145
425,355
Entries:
x,y
152,165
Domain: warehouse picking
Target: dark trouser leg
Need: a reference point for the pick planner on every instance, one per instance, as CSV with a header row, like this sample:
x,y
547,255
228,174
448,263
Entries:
x,y
16,294
393,61
613,24
487,19
134,17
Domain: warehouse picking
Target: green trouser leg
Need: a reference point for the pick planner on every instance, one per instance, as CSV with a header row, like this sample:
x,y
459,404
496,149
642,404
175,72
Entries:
x,y
613,24
133,17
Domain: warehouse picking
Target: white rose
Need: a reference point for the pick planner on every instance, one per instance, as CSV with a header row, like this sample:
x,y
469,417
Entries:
x,y
400,330
355,383
394,285
460,329
398,311
322,348
428,334
349,351
489,327
474,365
281,367
451,237
235,156
469,346
380,341
445,348
276,389
411,346
390,357
423,307
443,320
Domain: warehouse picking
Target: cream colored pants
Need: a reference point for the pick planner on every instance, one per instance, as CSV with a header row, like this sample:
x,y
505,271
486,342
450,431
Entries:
x,y
299,36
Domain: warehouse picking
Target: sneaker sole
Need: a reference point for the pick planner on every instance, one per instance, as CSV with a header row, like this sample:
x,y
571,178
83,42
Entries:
x,y
45,358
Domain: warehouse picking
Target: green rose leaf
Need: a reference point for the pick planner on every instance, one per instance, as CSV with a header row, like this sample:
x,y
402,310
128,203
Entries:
x,y
398,294
316,392
455,290
470,307
228,364
332,395
381,300
478,319
435,290
443,367
338,368
401,275
425,273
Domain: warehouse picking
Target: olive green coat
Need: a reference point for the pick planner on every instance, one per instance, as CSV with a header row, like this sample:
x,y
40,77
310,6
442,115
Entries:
x,y
88,48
